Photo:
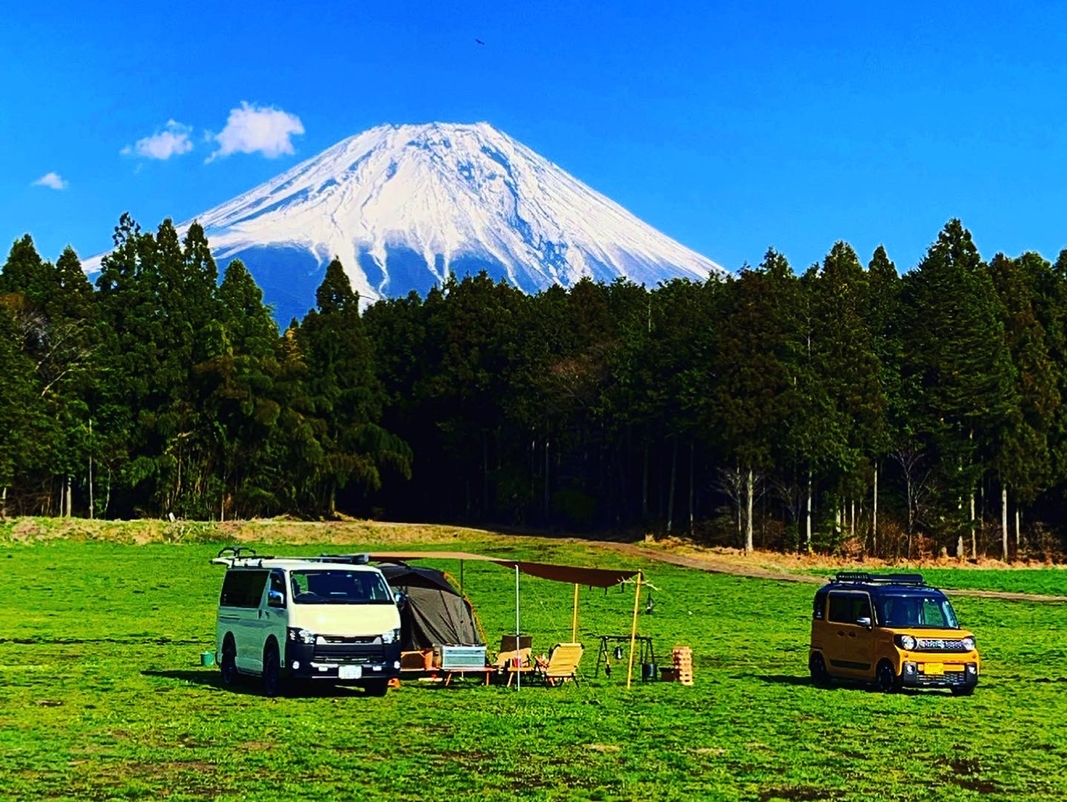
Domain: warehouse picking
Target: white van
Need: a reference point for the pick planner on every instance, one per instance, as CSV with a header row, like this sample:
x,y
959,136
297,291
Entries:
x,y
287,619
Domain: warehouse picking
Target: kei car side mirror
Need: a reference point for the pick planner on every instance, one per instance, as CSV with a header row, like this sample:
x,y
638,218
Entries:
x,y
864,621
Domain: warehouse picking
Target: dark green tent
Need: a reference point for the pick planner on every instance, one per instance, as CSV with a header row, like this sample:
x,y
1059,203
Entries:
x,y
435,613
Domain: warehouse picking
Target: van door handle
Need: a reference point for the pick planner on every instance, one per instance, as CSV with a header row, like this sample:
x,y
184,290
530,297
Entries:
x,y
841,633
852,634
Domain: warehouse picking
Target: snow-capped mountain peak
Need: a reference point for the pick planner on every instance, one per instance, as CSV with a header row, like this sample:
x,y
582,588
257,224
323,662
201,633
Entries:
x,y
402,206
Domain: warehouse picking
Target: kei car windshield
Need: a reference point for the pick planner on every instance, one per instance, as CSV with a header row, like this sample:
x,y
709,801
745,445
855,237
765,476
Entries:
x,y
324,586
931,611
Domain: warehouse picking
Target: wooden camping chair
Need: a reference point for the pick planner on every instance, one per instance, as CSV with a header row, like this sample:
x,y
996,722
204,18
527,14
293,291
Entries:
x,y
562,663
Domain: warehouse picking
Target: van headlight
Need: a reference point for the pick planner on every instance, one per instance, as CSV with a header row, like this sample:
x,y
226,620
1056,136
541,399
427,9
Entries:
x,y
301,636
392,636
968,643
906,642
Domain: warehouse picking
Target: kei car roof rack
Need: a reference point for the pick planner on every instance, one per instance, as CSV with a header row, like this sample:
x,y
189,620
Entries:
x,y
863,577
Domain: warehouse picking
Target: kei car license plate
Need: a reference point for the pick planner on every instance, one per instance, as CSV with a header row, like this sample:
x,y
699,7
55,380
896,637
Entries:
x,y
934,669
350,672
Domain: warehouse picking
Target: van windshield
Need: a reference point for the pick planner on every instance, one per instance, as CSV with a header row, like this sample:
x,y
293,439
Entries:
x,y
932,612
339,587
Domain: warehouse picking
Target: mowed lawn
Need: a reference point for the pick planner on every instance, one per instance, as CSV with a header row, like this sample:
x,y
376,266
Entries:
x,y
102,696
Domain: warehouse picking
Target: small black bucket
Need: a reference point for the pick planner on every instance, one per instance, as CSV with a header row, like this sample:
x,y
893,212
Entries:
x,y
648,671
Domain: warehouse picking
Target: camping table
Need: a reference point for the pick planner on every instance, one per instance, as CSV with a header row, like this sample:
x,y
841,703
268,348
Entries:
x,y
645,653
514,668
486,671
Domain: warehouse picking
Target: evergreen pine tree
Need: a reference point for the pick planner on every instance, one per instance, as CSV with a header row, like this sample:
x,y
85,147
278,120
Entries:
x,y
956,356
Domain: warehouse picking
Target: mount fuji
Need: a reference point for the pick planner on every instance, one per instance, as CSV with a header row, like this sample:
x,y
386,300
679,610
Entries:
x,y
403,206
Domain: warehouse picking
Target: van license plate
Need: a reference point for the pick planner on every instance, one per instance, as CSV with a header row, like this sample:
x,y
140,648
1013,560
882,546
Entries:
x,y
934,669
350,672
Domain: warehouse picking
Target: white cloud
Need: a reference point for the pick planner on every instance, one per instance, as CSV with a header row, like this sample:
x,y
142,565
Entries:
x,y
255,129
50,180
173,140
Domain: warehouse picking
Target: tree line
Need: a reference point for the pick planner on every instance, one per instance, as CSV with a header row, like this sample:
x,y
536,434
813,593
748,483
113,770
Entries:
x,y
842,407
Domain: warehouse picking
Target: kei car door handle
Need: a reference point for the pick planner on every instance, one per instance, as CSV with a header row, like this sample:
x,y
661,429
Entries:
x,y
841,633
852,634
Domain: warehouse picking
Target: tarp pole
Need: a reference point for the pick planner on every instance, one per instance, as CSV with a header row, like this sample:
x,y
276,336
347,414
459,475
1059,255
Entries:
x,y
633,632
518,636
574,624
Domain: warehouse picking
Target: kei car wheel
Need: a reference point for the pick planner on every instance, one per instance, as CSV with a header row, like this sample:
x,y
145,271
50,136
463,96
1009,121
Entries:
x,y
817,666
965,690
272,671
888,681
228,664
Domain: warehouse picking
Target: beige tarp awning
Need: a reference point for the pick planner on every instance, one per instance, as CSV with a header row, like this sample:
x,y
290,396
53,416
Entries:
x,y
572,574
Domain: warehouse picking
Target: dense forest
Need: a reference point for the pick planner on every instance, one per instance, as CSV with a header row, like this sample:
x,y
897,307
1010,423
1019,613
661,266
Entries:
x,y
842,408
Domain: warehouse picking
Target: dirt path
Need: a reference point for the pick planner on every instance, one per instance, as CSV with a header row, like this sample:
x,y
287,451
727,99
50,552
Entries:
x,y
720,565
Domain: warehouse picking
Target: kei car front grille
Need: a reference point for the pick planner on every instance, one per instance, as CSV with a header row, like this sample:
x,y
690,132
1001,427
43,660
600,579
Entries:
x,y
940,645
942,680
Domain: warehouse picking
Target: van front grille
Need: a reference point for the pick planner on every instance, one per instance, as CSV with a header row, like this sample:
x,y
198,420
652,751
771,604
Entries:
x,y
351,653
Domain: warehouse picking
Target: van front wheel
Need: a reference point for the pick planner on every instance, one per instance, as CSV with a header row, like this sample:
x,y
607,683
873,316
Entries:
x,y
376,687
272,671
888,681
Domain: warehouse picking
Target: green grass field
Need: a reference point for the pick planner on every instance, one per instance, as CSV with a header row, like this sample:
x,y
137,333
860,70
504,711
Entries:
x,y
102,696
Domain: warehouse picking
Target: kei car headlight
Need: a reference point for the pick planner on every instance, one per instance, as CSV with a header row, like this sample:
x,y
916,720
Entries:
x,y
301,636
906,642
392,636
968,643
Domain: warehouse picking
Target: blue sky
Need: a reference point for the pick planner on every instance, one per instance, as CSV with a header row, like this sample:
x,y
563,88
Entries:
x,y
730,127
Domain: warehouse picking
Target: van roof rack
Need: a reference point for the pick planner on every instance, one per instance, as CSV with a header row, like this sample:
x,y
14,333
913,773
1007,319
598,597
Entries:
x,y
353,559
878,579
230,555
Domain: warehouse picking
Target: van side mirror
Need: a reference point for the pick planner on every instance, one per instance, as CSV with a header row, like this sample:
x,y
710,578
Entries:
x,y
864,621
400,598
275,598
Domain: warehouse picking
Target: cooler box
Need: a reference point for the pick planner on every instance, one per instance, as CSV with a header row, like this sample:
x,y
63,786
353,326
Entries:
x,y
455,658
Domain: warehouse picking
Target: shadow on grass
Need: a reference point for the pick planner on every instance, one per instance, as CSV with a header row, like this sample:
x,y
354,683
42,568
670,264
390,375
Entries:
x,y
782,679
250,685
805,681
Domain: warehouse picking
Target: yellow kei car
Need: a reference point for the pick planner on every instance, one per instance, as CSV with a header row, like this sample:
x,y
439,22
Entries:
x,y
890,629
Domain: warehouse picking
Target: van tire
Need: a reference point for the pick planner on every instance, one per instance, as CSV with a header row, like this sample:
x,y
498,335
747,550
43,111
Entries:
x,y
272,671
820,677
228,663
888,681
962,690
376,687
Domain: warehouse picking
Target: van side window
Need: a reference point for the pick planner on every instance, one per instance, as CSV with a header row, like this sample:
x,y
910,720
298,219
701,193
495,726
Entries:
x,y
277,585
242,588
846,608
